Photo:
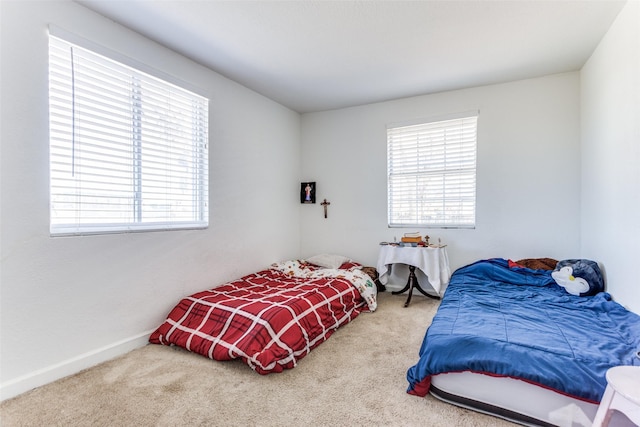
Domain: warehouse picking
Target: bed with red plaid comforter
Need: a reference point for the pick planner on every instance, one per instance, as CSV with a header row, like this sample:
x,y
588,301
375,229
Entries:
x,y
269,319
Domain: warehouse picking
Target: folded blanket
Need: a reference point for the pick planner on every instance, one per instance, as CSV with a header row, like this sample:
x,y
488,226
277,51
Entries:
x,y
538,263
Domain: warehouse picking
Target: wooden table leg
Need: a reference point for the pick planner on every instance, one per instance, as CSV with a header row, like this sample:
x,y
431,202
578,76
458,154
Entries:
x,y
412,283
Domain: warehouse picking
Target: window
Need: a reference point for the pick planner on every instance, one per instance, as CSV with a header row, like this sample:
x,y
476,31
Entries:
x,y
128,151
432,173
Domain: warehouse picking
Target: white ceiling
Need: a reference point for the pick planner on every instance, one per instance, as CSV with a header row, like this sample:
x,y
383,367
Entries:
x,y
320,55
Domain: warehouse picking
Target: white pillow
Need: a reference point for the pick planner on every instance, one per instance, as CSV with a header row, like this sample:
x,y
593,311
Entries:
x,y
328,260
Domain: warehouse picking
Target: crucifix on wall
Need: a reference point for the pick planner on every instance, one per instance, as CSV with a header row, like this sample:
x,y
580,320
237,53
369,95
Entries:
x,y
324,205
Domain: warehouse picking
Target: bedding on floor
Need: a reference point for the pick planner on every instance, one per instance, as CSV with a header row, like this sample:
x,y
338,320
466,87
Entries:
x,y
504,320
272,318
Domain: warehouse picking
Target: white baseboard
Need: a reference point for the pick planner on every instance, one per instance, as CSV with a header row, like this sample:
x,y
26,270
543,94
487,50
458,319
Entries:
x,y
43,376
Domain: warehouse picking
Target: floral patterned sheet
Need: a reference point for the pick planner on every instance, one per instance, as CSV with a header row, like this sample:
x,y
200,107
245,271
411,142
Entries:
x,y
352,272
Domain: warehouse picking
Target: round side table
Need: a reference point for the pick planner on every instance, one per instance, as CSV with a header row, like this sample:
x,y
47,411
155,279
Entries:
x,y
622,394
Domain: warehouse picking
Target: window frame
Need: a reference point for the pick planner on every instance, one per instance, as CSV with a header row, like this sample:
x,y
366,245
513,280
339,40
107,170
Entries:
x,y
415,165
181,201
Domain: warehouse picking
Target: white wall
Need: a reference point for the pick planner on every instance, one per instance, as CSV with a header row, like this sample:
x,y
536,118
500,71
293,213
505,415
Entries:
x,y
68,303
610,123
528,171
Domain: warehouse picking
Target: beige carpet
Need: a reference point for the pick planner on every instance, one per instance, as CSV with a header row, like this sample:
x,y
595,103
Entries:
x,y
355,378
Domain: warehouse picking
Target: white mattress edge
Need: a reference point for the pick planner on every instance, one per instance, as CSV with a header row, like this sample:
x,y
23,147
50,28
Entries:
x,y
517,396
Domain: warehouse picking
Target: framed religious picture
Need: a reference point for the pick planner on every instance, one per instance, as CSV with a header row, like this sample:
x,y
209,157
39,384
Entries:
x,y
308,192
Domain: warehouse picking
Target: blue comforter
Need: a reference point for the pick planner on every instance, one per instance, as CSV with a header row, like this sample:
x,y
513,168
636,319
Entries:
x,y
517,322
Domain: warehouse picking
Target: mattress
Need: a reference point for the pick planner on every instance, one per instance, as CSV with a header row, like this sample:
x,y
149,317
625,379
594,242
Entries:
x,y
504,324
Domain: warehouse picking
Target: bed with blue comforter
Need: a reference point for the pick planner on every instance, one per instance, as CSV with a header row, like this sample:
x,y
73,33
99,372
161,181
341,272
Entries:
x,y
501,319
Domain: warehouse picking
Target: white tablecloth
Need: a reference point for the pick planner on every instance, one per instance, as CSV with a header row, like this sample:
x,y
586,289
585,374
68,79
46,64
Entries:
x,y
432,262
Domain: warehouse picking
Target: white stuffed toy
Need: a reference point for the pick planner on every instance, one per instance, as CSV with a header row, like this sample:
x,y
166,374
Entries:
x,y
579,277
565,278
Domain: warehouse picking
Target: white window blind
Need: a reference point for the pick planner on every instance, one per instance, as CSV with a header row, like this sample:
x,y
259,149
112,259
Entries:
x,y
432,173
128,151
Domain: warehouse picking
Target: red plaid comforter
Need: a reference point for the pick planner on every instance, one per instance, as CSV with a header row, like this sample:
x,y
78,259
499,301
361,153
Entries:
x,y
269,319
